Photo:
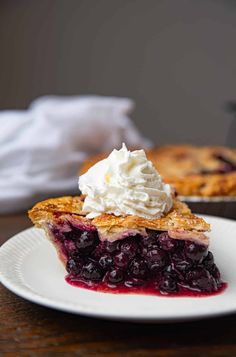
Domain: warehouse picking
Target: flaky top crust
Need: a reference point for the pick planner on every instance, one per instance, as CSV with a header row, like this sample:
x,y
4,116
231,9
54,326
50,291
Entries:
x,y
54,209
182,167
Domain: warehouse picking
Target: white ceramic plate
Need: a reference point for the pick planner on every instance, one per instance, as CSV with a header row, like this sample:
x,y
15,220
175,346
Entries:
x,y
30,268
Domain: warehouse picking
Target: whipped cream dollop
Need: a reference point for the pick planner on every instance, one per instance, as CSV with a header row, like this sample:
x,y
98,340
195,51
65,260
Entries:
x,y
125,183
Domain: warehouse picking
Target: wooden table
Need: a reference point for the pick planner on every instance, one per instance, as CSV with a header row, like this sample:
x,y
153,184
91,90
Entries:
x,y
27,329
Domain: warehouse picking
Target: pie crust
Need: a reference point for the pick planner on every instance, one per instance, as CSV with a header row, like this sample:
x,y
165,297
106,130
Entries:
x,y
111,227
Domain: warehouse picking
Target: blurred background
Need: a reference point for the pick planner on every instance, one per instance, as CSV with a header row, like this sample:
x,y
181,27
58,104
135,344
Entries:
x,y
176,59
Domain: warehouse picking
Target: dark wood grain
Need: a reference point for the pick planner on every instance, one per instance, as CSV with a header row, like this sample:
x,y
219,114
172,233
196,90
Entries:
x,y
27,329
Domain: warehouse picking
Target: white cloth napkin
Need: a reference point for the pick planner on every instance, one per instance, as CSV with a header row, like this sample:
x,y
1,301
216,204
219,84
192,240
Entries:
x,y
41,148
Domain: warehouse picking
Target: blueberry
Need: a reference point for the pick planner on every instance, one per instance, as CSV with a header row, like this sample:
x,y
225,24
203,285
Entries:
x,y
156,259
216,275
201,279
167,243
121,260
228,166
181,263
150,239
178,256
171,271
196,274
73,266
215,272
100,250
195,252
87,242
129,247
168,285
91,271
105,261
178,265
183,266
138,268
144,251
115,276
208,260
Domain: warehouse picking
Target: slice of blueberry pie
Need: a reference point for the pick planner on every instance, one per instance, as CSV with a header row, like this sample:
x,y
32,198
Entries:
x,y
128,233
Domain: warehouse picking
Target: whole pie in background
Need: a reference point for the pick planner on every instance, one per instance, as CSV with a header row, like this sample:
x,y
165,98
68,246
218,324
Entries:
x,y
208,171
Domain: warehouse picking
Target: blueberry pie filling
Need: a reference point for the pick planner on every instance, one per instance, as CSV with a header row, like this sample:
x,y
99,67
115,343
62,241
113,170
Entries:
x,y
225,166
154,262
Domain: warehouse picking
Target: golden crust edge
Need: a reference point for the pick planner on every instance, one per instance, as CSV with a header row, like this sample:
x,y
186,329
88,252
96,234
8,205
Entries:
x,y
181,214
